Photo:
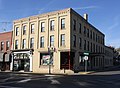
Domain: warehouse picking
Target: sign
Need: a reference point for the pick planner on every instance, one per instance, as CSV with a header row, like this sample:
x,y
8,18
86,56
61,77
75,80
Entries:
x,y
85,57
86,53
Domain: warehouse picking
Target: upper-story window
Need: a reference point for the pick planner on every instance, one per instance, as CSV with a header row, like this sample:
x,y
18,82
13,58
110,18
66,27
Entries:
x,y
84,30
62,39
74,40
52,40
52,25
74,24
91,34
31,42
16,44
32,28
2,46
42,42
84,44
88,33
7,45
88,46
24,44
24,29
63,23
96,38
17,31
42,26
80,26
80,43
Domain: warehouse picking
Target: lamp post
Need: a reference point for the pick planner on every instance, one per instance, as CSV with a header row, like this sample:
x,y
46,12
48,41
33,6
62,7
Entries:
x,y
50,51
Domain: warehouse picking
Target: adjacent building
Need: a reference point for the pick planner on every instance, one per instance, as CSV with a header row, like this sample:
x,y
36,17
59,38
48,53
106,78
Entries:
x,y
109,56
5,47
56,42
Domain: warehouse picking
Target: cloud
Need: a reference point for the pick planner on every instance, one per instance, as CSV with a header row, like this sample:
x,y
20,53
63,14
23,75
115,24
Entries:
x,y
115,23
87,7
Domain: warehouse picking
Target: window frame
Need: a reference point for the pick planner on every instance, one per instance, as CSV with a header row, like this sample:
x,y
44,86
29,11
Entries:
x,y
52,40
63,23
62,42
32,42
52,25
42,38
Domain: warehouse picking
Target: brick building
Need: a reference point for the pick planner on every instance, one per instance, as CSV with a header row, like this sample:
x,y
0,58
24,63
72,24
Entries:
x,y
5,47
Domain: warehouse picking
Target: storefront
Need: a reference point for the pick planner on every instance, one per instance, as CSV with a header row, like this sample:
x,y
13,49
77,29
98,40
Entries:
x,y
21,60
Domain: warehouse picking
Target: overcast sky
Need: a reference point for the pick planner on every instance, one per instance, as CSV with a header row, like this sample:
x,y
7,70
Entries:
x,y
103,14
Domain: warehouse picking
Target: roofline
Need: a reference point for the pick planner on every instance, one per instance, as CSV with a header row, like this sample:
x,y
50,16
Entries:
x,y
43,14
6,32
87,22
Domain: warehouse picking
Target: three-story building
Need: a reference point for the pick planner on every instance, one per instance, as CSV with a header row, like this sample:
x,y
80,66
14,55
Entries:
x,y
55,41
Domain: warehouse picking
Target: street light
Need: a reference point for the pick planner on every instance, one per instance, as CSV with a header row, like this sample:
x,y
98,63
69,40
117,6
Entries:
x,y
50,51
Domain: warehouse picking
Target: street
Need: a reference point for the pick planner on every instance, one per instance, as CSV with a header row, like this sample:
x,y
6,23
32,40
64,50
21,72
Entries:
x,y
109,79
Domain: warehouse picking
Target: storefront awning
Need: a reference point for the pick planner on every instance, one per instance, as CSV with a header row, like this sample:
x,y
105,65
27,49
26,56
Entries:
x,y
1,57
7,57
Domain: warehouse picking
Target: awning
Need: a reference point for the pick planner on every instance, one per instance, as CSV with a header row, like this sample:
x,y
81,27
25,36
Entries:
x,y
1,57
7,57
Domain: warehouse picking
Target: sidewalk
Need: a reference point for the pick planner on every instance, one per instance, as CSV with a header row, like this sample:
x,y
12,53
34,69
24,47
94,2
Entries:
x,y
79,73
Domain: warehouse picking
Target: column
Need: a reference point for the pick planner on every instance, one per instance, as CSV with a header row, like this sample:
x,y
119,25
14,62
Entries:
x,y
11,64
31,63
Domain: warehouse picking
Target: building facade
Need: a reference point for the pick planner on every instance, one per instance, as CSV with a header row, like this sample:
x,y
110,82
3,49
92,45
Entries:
x,y
56,42
109,56
5,47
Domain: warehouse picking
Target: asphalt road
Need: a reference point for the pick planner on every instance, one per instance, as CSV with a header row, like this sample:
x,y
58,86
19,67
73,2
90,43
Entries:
x,y
110,79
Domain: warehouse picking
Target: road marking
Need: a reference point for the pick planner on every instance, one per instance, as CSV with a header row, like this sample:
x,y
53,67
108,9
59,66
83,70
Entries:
x,y
25,80
7,79
53,81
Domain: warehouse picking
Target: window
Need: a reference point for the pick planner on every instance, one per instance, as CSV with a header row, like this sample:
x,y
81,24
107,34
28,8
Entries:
x,y
74,24
74,40
24,29
17,31
7,45
62,39
42,41
52,40
24,44
96,38
79,27
45,59
84,44
2,45
63,23
16,44
32,28
84,30
88,45
88,33
91,34
52,25
80,42
91,47
31,42
42,26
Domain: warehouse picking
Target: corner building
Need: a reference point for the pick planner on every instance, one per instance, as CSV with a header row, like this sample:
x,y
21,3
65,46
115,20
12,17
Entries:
x,y
55,42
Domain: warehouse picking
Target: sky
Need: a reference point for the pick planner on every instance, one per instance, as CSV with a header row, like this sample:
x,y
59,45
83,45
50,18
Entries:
x,y
103,14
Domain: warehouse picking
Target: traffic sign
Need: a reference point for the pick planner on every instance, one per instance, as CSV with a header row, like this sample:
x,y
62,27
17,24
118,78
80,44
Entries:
x,y
85,57
86,53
